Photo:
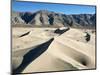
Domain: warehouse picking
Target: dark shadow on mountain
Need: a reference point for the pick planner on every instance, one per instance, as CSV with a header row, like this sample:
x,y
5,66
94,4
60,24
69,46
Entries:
x,y
51,19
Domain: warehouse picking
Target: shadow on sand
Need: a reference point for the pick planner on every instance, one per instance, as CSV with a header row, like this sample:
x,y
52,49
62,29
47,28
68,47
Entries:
x,y
32,55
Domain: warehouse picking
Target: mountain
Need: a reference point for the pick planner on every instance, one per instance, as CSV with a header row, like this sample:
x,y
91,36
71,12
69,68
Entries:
x,y
49,18
16,18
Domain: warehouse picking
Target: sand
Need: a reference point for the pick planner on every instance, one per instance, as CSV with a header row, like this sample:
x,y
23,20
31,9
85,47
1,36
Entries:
x,y
69,51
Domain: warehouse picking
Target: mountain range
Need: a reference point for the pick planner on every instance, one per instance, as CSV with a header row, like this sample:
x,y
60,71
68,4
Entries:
x,y
49,18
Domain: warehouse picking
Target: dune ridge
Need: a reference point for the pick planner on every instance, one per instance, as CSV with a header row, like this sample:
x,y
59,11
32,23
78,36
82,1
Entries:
x,y
80,55
66,52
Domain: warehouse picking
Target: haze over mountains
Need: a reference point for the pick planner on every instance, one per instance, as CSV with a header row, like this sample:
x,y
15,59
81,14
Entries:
x,y
49,18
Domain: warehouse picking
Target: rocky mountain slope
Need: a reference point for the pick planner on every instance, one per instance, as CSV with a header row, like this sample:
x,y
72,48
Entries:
x,y
49,18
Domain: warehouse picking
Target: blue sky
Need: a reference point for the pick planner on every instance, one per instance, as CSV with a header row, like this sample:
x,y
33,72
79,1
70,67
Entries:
x,y
60,8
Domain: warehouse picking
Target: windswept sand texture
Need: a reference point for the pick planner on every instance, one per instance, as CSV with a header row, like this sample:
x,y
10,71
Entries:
x,y
42,50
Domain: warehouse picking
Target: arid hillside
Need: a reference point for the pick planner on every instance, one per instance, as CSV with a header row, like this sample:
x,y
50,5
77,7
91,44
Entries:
x,y
49,18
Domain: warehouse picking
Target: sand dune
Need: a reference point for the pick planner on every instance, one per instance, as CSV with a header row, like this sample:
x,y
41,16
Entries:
x,y
23,46
28,55
64,54
70,51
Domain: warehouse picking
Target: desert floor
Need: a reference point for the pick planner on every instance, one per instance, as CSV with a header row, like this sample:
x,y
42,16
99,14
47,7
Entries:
x,y
42,50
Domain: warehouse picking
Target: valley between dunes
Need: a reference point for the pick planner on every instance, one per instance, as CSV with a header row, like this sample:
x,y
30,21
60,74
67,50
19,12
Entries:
x,y
42,50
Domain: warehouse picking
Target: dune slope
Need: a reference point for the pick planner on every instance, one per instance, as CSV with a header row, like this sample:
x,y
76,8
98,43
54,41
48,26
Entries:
x,y
65,53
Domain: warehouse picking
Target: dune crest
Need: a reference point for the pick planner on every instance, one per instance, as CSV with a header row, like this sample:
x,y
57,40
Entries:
x,y
65,53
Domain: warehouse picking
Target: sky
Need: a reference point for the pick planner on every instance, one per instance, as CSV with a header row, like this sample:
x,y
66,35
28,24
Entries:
x,y
21,6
